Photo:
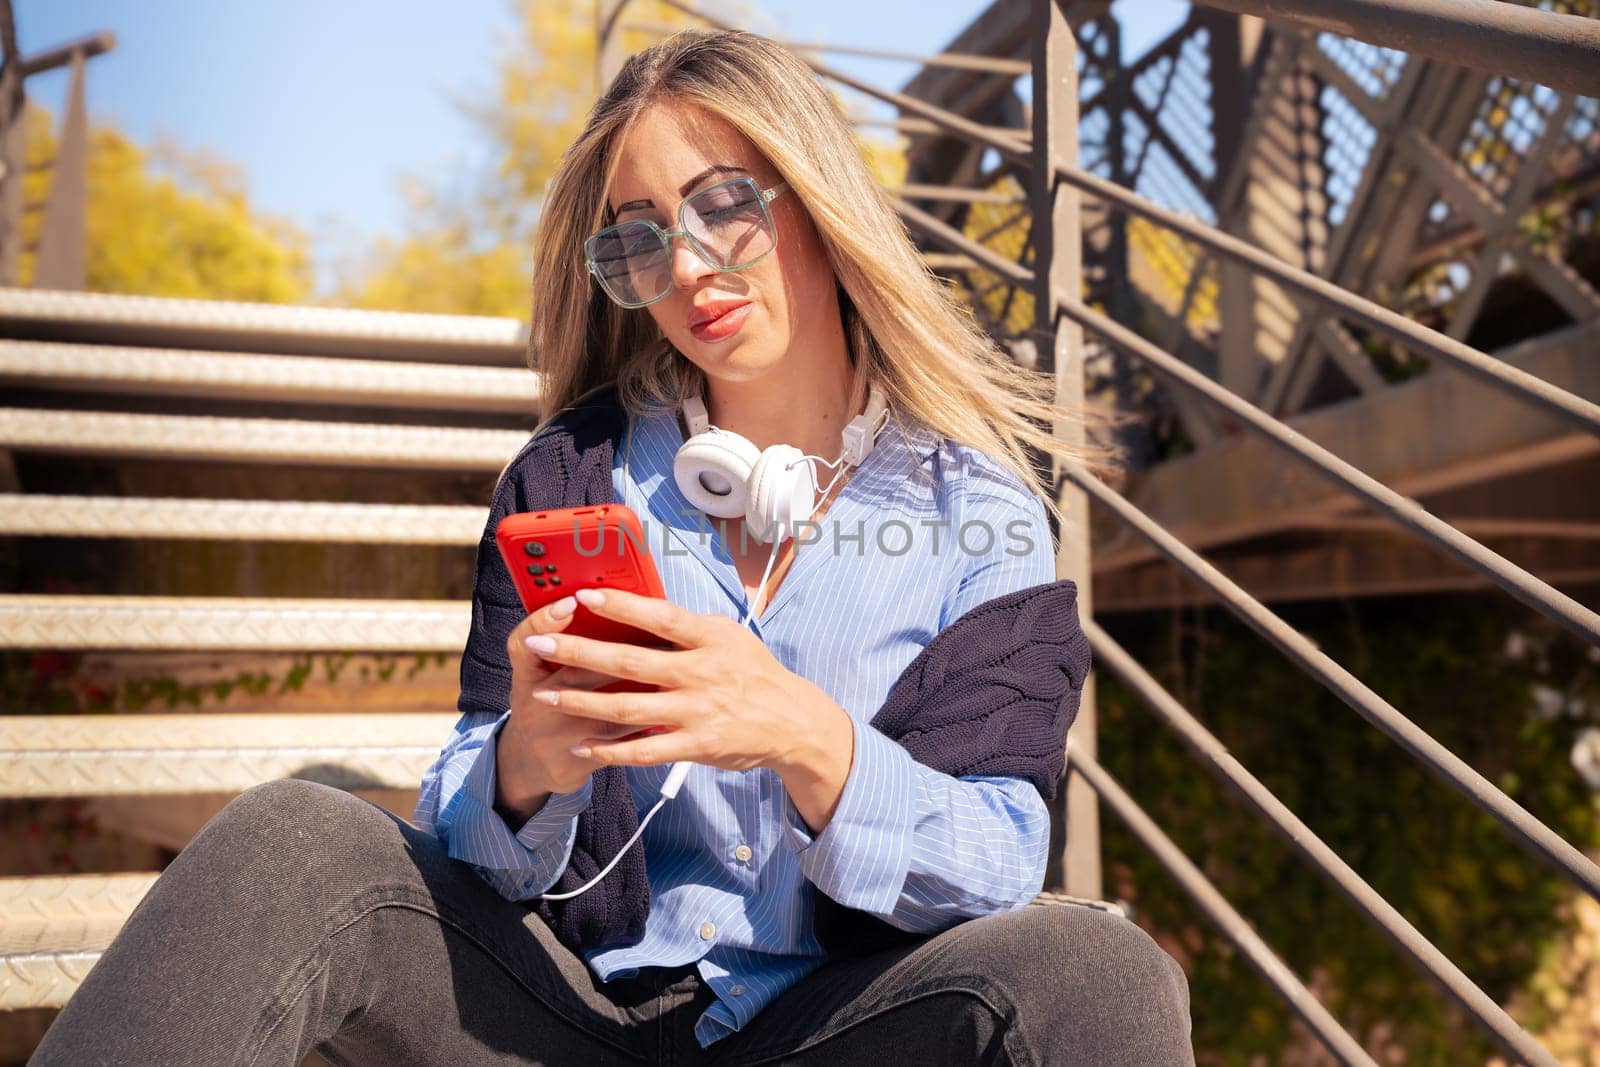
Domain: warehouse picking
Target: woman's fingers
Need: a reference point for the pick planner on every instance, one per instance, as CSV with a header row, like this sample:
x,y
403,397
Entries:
x,y
570,677
525,663
677,626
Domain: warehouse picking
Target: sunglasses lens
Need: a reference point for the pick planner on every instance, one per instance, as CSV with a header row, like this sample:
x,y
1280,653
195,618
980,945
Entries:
x,y
631,261
729,223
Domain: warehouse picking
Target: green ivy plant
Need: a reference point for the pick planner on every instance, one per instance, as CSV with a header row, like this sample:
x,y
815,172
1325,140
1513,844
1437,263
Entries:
x,y
1474,673
46,683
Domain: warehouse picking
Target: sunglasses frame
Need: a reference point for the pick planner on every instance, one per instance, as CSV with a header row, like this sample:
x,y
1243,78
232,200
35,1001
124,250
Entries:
x,y
766,196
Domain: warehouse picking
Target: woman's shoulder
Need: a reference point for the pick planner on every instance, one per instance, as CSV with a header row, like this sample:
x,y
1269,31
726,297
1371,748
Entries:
x,y
977,482
555,450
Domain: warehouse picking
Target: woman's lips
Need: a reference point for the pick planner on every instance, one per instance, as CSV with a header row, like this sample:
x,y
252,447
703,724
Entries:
x,y
724,325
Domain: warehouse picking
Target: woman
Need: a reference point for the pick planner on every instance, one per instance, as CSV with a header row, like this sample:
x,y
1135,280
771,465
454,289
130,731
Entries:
x,y
304,917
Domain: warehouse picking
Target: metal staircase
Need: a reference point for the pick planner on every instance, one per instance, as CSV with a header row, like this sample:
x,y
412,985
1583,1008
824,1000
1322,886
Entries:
x,y
1303,256
391,397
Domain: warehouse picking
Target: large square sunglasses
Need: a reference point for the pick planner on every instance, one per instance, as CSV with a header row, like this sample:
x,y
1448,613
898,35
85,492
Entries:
x,y
728,225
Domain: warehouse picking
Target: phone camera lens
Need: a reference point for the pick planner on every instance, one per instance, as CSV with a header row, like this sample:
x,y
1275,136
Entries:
x,y
533,548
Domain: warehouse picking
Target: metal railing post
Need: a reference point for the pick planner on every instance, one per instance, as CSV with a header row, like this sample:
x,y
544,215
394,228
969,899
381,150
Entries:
x,y
62,262
1058,250
13,147
608,57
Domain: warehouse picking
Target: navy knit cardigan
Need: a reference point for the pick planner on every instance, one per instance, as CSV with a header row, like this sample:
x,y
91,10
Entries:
x,y
994,693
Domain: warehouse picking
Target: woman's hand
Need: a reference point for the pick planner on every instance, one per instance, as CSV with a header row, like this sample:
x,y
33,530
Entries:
x,y
724,700
533,760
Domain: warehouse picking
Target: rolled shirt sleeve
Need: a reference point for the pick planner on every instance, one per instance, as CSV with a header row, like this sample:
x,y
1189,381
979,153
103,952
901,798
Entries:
x,y
923,849
456,804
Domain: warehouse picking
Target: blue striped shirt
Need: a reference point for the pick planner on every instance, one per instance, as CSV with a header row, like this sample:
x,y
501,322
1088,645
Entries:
x,y
922,531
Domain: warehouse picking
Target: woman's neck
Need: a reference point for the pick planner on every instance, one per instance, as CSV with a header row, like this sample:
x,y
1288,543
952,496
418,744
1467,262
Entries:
x,y
807,410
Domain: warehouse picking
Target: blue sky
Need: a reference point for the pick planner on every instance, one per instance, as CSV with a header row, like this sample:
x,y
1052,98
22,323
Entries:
x,y
325,103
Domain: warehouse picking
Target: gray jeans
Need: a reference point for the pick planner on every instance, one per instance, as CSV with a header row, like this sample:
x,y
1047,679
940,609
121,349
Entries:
x,y
302,917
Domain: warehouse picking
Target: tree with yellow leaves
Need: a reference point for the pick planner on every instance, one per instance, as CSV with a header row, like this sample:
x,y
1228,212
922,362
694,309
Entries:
x,y
168,222
470,254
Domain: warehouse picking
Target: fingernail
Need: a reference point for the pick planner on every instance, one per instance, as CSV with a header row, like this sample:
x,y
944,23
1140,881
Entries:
x,y
581,751
546,696
591,597
563,607
541,643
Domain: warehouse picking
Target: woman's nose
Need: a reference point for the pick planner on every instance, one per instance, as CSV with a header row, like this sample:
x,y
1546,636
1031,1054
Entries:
x,y
687,266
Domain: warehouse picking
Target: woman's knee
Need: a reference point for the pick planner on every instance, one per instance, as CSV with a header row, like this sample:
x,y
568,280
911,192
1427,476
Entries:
x,y
292,832
289,805
1082,968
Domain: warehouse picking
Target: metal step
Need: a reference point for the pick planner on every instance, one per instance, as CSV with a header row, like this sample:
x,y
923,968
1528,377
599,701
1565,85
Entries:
x,y
1116,907
205,437
144,755
55,515
29,620
53,929
169,372
107,318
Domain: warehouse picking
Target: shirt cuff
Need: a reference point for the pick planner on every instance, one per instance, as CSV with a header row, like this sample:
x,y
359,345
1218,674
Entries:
x,y
480,835
861,857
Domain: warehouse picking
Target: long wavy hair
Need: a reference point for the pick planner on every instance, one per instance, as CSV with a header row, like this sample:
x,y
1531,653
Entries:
x,y
907,330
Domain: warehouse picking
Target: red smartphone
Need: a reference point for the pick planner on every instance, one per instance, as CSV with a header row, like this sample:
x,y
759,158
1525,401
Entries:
x,y
602,546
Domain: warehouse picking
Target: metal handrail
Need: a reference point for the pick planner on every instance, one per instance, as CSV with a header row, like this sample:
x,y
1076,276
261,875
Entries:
x,y
1525,586
1513,381
1555,49
1526,829
1220,762
1233,925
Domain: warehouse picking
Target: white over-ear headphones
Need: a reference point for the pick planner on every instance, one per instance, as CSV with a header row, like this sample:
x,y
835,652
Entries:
x,y
723,474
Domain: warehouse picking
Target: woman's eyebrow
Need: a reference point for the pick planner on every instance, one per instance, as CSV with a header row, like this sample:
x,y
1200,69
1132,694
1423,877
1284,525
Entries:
x,y
715,168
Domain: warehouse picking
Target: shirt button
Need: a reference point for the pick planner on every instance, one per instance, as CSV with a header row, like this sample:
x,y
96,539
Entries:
x,y
743,853
708,931
737,990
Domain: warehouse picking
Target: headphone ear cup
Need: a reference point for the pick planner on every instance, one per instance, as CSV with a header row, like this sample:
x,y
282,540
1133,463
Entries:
x,y
780,495
723,459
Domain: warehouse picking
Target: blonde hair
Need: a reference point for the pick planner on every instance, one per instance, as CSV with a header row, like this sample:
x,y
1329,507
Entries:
x,y
907,330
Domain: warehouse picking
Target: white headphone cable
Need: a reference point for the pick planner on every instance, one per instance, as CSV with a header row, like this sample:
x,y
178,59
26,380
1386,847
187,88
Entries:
x,y
620,852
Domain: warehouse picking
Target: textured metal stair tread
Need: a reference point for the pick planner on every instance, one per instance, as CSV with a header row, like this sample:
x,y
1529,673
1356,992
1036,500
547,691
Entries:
x,y
53,928
233,325
141,755
122,370
258,440
29,620
64,913
63,515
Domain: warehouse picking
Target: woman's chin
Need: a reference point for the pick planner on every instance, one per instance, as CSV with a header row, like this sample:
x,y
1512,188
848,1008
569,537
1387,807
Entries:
x,y
738,357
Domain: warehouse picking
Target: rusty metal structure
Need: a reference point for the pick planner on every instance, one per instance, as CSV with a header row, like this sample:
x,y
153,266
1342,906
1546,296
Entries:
x,y
1299,240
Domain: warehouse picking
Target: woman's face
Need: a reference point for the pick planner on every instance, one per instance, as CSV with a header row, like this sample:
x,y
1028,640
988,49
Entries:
x,y
790,292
